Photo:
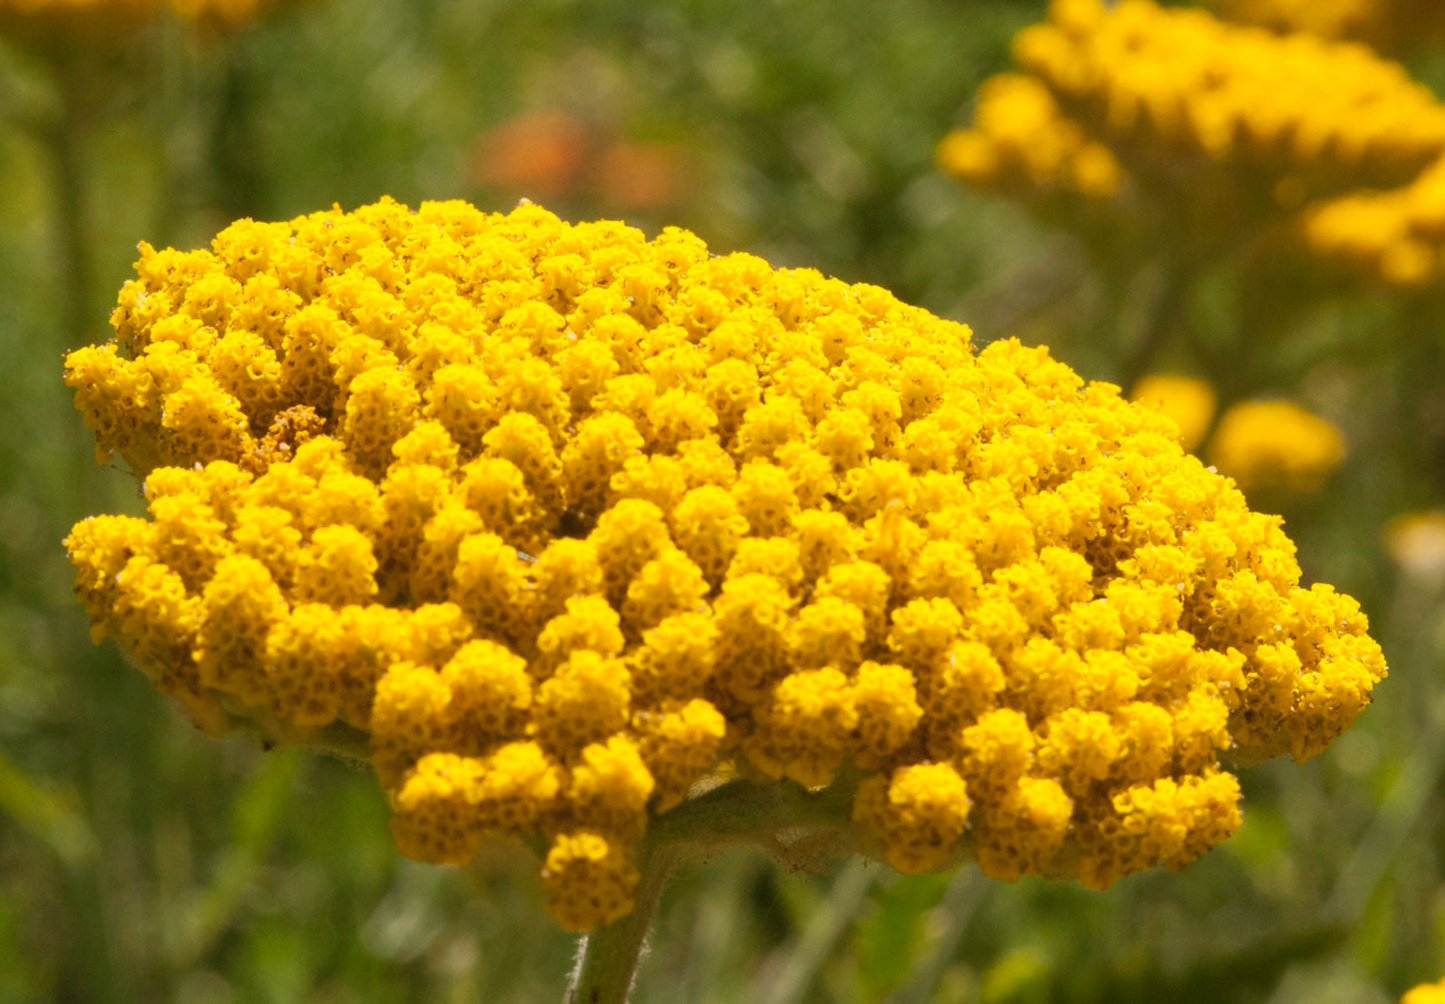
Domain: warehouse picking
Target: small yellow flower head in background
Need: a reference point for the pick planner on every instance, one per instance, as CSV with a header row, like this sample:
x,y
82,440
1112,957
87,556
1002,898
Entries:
x,y
1394,237
1163,85
1425,993
1022,143
1416,543
1276,446
1187,401
562,525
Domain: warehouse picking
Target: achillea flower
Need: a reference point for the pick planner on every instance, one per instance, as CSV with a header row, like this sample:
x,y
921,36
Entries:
x,y
1168,82
1276,446
1416,543
1394,236
1425,993
562,527
1187,401
1022,142
1199,128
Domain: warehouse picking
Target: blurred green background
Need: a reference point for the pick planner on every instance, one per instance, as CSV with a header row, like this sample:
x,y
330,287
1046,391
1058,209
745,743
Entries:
x,y
141,861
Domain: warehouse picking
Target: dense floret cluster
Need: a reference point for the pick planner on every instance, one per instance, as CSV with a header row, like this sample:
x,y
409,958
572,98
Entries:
x,y
1171,80
1394,237
564,522
1022,142
1177,111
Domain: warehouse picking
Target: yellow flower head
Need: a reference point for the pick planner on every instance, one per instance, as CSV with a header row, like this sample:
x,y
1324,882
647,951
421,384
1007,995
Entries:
x,y
1276,446
1416,543
1022,141
563,525
1215,121
1394,237
1187,401
1425,993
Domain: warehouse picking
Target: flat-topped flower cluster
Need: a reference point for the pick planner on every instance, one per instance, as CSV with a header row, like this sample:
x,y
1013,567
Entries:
x,y
565,522
1175,110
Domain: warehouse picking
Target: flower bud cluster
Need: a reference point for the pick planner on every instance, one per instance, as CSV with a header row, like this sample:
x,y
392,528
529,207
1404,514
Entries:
x,y
565,522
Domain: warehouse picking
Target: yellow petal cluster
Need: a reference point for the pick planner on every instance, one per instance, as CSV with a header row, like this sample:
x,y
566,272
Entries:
x,y
1395,237
1425,993
1022,142
563,521
1276,446
1205,123
1416,543
1171,81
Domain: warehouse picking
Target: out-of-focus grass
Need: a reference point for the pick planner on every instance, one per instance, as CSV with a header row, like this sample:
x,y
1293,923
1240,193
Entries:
x,y
140,860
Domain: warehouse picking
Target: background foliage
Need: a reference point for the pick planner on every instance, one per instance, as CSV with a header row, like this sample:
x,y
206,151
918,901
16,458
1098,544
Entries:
x,y
141,861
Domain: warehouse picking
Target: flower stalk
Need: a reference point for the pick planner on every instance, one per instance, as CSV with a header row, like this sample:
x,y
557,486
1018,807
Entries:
x,y
607,957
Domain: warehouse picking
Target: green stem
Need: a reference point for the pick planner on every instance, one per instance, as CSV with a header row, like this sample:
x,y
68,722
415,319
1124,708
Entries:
x,y
745,812
607,958
736,812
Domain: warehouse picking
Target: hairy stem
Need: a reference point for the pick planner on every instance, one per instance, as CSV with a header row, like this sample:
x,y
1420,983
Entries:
x,y
736,812
607,958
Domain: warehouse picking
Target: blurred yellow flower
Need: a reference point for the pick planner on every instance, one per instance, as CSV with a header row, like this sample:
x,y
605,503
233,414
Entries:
x,y
1276,446
1172,82
1187,401
1138,126
1425,993
1393,236
1021,141
1416,542
556,523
